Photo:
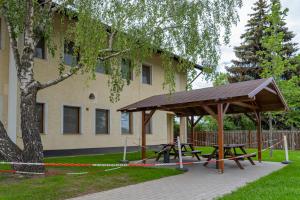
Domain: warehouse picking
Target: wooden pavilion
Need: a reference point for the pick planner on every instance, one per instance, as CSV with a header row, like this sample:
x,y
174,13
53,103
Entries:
x,y
248,97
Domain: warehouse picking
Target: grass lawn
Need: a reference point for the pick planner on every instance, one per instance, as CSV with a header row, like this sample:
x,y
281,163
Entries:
x,y
283,184
62,186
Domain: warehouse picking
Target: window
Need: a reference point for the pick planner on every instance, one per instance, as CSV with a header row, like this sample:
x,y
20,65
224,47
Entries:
x,y
126,69
149,125
102,67
0,33
71,117
70,56
40,116
126,122
39,51
146,74
102,121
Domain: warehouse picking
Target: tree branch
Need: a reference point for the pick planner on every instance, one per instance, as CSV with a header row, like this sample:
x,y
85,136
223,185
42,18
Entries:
x,y
114,54
59,79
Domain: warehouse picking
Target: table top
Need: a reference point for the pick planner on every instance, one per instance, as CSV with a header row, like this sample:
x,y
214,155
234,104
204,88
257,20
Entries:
x,y
230,145
172,144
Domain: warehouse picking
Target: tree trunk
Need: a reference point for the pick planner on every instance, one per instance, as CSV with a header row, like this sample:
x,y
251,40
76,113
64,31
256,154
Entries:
x,y
33,148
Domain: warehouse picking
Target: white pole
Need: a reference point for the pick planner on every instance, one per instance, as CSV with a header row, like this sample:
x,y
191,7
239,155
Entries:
x,y
179,152
180,155
125,152
286,150
125,148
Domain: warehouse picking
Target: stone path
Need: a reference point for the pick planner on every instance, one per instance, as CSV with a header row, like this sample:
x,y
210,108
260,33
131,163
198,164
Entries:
x,y
196,184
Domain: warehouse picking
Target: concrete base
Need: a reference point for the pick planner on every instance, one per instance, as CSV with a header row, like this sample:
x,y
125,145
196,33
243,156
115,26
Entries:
x,y
286,162
184,169
124,161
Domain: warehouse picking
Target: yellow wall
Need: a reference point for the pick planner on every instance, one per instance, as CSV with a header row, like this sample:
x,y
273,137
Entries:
x,y
75,92
4,59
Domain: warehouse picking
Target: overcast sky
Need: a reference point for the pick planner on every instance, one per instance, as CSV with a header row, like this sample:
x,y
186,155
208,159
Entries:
x,y
227,54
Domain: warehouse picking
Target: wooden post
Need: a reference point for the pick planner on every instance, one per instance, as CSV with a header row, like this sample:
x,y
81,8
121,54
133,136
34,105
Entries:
x,y
192,130
258,135
220,138
143,136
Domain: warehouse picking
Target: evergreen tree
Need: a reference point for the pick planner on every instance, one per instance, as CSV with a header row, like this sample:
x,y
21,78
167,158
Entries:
x,y
246,67
249,53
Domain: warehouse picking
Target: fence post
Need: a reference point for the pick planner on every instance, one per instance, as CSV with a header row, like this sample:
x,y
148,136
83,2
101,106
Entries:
x,y
125,152
181,168
286,151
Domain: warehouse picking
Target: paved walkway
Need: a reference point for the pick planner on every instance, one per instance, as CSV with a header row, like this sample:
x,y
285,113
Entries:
x,y
196,184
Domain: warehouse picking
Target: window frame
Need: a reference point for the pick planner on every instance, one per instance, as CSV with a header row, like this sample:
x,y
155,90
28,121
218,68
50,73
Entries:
x,y
107,111
130,124
150,131
150,75
79,126
72,55
130,69
44,50
43,118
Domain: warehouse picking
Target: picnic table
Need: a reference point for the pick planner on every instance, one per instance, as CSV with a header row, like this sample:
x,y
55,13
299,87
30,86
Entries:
x,y
172,149
230,152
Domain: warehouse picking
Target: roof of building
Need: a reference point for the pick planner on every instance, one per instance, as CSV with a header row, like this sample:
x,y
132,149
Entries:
x,y
261,95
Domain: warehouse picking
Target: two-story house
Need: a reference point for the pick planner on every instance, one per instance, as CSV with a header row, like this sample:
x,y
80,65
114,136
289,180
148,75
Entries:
x,y
76,115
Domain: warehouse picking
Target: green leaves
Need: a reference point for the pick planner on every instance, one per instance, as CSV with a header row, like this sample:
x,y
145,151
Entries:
x,y
134,29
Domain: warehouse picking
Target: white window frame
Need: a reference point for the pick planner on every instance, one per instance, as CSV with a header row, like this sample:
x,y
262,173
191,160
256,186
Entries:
x,y
151,73
94,121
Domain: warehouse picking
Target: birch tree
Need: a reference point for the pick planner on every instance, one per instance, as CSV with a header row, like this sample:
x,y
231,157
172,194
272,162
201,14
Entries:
x,y
106,31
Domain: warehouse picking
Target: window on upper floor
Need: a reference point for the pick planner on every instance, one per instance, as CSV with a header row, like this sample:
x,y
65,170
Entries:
x,y
40,49
71,57
0,33
40,109
126,122
102,67
102,121
71,120
146,74
126,69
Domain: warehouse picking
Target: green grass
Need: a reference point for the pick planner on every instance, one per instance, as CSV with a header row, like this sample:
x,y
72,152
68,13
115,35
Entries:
x,y
283,184
64,186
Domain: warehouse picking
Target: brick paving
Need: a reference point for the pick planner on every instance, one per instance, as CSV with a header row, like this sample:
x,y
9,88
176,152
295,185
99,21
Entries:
x,y
196,184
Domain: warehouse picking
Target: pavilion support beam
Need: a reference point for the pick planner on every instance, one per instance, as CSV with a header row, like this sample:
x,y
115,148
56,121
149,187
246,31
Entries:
x,y
258,135
145,120
220,138
143,136
192,129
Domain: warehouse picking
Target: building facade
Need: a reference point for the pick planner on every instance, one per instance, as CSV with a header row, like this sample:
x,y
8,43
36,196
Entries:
x,y
77,113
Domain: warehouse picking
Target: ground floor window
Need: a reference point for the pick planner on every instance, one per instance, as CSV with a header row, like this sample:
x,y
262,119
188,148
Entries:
x,y
71,119
126,123
102,121
149,125
40,110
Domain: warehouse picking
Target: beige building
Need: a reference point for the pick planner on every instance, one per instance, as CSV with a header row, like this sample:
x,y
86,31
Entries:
x,y
77,114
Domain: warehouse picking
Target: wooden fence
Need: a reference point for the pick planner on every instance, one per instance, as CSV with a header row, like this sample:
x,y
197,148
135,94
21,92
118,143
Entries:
x,y
208,138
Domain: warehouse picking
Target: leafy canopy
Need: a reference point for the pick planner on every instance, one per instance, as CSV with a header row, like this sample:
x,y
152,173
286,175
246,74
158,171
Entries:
x,y
108,31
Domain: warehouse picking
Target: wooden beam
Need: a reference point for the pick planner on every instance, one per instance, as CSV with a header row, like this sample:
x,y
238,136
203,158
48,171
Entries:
x,y
258,136
251,118
226,108
147,119
196,122
270,90
192,129
189,120
144,136
245,105
210,111
220,138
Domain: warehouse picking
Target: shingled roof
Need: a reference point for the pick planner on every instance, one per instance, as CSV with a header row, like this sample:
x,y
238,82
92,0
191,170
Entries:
x,y
262,94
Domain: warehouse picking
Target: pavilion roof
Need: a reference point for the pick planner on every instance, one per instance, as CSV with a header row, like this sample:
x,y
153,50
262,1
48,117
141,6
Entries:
x,y
242,97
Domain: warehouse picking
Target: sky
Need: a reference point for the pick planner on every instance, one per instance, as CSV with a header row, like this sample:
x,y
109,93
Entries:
x,y
227,54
